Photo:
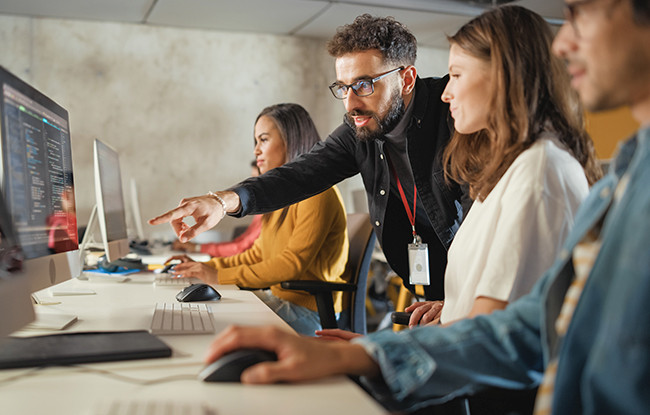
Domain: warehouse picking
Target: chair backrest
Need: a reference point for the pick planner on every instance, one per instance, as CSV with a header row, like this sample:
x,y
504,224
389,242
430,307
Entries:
x,y
362,242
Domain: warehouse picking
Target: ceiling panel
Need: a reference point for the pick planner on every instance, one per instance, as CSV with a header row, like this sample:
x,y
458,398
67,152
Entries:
x,y
276,16
429,20
430,29
468,7
108,10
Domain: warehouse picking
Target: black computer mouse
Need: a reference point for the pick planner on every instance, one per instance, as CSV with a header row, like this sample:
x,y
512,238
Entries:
x,y
168,268
198,292
228,368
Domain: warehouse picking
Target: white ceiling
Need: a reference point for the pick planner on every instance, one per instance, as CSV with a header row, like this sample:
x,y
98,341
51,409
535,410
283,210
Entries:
x,y
429,20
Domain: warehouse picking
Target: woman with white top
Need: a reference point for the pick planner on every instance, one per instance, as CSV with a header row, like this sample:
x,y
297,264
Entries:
x,y
520,144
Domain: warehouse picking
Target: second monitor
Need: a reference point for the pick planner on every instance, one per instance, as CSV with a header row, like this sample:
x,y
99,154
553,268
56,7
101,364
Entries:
x,y
110,201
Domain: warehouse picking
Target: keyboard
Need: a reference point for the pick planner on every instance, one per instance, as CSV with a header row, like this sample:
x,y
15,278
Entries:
x,y
152,407
169,280
182,318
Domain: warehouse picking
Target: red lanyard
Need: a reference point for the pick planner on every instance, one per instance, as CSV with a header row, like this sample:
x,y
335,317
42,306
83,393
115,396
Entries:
x,y
410,215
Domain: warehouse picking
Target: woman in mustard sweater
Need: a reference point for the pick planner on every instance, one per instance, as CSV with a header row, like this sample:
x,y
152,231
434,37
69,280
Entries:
x,y
305,241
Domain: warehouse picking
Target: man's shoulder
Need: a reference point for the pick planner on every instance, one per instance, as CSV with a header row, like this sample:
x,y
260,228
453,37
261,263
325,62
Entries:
x,y
428,92
429,107
432,84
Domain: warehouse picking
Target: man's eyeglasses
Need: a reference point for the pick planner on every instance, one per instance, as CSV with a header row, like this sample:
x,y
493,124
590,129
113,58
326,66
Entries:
x,y
361,88
573,11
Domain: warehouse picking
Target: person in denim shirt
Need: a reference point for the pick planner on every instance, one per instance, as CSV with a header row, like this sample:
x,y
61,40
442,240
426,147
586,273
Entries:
x,y
604,355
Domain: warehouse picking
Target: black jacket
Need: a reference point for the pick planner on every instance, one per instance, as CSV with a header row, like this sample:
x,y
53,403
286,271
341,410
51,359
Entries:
x,y
342,155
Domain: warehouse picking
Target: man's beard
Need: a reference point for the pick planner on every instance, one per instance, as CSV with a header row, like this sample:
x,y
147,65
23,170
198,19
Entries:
x,y
384,125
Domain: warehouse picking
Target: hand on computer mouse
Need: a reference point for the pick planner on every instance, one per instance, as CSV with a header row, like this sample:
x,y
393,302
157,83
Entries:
x,y
199,270
179,258
300,358
229,367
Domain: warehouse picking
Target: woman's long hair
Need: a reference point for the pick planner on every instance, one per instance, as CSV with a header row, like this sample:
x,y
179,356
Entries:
x,y
297,130
530,93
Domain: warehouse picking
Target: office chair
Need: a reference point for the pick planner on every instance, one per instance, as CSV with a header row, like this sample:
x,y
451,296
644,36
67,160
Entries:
x,y
362,241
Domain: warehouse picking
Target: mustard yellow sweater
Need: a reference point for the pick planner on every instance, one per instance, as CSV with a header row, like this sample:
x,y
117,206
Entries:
x,y
311,244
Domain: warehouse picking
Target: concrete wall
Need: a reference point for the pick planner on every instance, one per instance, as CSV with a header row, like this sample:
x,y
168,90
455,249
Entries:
x,y
177,104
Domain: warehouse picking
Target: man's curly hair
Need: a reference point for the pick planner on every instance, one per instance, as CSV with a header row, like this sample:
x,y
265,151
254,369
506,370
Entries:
x,y
395,42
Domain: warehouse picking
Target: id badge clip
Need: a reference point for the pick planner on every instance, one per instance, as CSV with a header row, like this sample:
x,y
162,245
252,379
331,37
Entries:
x,y
418,262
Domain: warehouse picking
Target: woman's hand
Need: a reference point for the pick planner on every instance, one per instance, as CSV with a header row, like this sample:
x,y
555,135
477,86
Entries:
x,y
424,312
196,270
182,258
336,334
184,246
299,358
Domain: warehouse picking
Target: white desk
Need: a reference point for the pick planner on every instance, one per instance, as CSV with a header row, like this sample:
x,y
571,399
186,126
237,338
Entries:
x,y
129,306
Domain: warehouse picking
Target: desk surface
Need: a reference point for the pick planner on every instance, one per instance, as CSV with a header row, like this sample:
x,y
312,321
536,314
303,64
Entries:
x,y
129,306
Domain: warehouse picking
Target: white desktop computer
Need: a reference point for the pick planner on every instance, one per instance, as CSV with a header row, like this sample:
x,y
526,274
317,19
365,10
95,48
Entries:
x,y
37,182
136,215
16,308
110,201
138,240
108,215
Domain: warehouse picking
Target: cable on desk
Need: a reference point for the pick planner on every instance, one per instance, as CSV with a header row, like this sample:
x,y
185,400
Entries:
x,y
19,376
107,373
132,380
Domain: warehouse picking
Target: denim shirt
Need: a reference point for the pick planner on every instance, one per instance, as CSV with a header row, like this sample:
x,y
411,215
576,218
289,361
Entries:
x,y
604,358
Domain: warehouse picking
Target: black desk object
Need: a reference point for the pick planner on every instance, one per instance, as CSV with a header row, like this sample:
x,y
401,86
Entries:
x,y
86,347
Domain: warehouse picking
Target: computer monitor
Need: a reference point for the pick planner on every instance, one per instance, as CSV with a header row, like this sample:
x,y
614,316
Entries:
x,y
15,304
135,212
110,201
37,181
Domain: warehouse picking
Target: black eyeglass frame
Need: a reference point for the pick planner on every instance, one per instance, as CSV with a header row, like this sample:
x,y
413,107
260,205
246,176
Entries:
x,y
572,10
355,86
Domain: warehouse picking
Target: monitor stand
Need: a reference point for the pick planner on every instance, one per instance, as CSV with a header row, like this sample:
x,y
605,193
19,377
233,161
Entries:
x,y
86,241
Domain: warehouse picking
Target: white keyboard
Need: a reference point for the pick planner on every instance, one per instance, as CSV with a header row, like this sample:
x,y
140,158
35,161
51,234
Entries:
x,y
182,318
152,407
168,280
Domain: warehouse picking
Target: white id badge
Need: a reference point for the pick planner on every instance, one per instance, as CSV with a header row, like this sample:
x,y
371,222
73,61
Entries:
x,y
419,264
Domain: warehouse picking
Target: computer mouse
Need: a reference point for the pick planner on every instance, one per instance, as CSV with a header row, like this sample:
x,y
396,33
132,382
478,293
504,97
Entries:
x,y
198,292
228,368
167,268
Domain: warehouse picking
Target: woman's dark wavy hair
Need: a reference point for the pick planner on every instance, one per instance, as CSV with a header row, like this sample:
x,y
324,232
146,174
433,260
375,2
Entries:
x,y
297,130
531,93
395,42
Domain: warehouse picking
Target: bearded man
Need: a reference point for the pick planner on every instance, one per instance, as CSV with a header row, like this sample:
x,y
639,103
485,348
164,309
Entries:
x,y
394,133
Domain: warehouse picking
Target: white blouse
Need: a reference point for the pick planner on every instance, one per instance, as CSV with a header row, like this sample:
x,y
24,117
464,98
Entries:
x,y
509,240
